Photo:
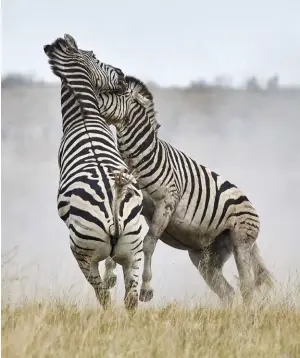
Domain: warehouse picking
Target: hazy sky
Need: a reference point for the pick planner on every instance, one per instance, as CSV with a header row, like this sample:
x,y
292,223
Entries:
x,y
170,42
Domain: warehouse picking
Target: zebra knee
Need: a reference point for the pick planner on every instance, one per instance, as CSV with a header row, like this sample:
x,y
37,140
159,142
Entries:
x,y
94,281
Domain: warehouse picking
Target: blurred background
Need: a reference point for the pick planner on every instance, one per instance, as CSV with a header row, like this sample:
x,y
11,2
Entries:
x,y
226,82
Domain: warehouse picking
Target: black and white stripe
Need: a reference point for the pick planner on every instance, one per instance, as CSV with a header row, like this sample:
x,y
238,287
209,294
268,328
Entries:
x,y
187,205
98,199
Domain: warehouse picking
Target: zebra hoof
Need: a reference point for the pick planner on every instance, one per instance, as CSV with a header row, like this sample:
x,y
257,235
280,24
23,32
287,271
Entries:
x,y
146,295
111,281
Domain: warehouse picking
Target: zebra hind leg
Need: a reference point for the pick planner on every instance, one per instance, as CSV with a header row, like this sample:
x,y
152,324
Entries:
x,y
131,298
90,269
242,242
129,256
264,280
210,263
261,273
110,278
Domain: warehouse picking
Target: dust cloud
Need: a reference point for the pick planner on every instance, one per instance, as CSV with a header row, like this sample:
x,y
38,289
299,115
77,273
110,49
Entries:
x,y
251,139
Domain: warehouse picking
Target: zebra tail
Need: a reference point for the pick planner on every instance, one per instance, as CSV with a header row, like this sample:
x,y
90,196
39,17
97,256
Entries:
x,y
262,274
123,180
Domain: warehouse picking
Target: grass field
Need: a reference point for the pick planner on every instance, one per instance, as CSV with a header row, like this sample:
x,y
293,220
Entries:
x,y
57,329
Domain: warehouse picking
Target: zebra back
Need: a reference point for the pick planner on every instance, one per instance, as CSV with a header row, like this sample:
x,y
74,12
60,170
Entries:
x,y
206,199
90,163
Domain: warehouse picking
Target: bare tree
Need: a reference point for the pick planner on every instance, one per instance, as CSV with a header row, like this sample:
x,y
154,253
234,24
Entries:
x,y
273,83
252,85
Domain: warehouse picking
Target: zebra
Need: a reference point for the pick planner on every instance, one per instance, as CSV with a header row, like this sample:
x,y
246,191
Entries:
x,y
98,198
187,205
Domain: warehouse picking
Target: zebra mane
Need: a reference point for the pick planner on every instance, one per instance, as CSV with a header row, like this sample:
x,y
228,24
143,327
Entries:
x,y
136,85
81,105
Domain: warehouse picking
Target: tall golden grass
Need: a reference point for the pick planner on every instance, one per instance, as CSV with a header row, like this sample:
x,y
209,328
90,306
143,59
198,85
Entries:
x,y
57,329
60,328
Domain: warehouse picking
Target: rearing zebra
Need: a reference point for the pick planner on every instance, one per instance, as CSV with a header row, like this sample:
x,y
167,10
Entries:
x,y
98,199
187,205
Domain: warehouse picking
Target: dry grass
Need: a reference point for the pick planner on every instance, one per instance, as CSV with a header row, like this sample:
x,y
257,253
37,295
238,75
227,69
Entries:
x,y
57,329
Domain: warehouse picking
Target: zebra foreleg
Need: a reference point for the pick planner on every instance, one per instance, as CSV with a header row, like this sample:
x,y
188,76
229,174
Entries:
x,y
159,222
110,278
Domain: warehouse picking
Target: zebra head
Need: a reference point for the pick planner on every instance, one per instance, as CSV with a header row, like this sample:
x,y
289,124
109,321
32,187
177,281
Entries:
x,y
140,94
116,108
64,54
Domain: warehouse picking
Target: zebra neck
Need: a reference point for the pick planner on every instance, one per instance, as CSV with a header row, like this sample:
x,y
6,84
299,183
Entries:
x,y
137,146
76,108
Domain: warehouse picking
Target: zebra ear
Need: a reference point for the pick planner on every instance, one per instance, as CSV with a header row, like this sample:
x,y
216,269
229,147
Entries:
x,y
145,102
70,41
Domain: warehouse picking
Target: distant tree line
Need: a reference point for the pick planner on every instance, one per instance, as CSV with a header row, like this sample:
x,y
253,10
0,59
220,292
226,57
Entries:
x,y
17,79
225,83
251,84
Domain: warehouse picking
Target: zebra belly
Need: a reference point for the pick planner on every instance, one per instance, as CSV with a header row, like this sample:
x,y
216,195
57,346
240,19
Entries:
x,y
179,234
189,235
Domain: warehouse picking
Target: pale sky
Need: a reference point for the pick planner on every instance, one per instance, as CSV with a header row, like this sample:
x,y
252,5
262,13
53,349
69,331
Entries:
x,y
166,41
